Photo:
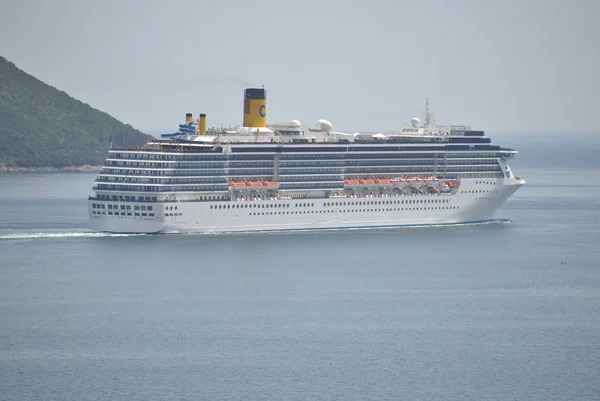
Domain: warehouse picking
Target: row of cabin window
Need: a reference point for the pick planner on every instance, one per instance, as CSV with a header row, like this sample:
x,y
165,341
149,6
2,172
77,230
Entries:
x,y
357,210
439,153
205,188
127,198
296,164
123,207
283,170
216,175
269,153
454,175
288,164
387,202
327,204
409,170
304,152
123,213
478,191
212,178
251,205
291,174
218,180
148,188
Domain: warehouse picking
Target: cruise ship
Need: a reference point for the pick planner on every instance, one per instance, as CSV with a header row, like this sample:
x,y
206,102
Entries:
x,y
279,177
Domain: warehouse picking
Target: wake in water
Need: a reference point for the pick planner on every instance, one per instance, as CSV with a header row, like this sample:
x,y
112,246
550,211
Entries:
x,y
4,236
59,235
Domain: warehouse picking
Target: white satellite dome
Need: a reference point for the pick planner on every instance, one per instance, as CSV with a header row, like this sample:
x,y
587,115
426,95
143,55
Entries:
x,y
295,123
415,122
324,125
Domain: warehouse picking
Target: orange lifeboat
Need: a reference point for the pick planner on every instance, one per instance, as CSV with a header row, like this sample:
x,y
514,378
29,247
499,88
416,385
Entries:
x,y
361,181
369,182
384,181
346,181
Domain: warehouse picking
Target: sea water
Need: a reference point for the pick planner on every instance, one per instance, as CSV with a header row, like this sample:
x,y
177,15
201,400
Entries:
x,y
508,310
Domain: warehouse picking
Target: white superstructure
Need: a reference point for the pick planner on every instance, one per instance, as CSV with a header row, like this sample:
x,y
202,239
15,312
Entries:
x,y
288,177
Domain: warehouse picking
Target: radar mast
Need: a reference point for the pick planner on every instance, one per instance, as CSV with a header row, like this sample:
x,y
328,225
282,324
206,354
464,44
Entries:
x,y
429,115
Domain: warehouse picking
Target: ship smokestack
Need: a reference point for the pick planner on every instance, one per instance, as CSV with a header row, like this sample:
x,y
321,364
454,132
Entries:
x,y
202,124
188,118
255,107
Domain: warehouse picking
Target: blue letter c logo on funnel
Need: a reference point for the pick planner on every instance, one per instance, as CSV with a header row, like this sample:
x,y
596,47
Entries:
x,y
261,111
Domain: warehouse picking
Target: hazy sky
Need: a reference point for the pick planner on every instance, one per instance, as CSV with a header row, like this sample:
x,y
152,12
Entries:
x,y
526,66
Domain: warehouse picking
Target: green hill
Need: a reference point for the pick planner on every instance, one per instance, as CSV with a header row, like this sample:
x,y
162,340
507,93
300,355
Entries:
x,y
41,126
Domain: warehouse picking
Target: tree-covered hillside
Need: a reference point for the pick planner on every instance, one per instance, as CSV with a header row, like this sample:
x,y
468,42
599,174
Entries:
x,y
41,126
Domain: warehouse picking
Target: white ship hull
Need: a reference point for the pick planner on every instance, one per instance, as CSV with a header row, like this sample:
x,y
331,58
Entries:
x,y
477,200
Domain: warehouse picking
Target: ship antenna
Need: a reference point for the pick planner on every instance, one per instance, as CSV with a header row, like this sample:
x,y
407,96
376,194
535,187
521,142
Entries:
x,y
429,116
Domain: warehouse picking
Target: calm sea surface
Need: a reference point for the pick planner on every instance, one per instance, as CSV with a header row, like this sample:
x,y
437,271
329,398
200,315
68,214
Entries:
x,y
501,311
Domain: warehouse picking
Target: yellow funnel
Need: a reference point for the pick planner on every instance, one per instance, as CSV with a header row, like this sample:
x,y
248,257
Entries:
x,y
202,124
255,107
